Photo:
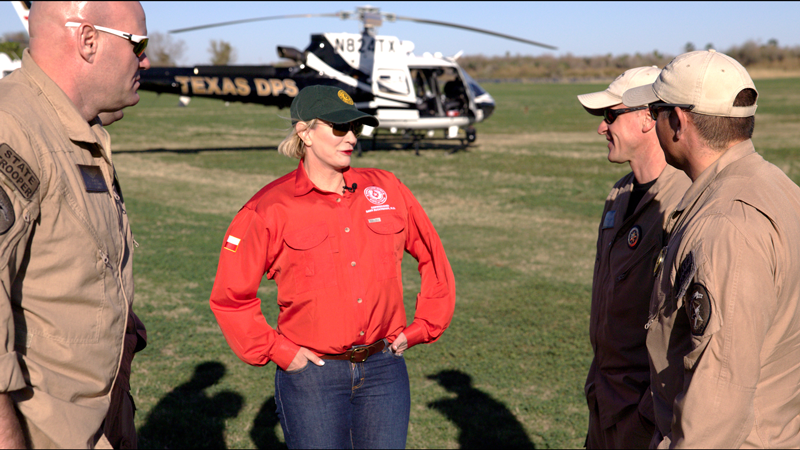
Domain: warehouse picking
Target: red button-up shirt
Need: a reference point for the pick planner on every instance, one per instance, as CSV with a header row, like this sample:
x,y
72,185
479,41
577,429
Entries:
x,y
336,261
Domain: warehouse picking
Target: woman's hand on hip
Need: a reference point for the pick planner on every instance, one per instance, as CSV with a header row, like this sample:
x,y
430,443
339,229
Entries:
x,y
400,344
302,357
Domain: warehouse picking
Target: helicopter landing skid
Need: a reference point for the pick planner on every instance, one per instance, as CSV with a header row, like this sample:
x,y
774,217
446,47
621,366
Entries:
x,y
415,139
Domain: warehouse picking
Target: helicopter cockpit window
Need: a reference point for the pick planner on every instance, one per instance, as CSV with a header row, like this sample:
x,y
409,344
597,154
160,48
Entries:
x,y
477,90
440,92
393,82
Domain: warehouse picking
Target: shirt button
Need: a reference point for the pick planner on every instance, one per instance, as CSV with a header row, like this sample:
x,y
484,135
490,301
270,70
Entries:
x,y
353,263
361,334
359,300
338,200
346,229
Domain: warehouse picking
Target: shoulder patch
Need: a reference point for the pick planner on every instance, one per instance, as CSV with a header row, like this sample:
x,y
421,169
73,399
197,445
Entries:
x,y
232,243
18,172
6,212
698,307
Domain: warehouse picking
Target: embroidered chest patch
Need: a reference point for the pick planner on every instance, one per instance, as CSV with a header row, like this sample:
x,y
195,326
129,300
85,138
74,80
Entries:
x,y
698,308
375,195
93,178
634,236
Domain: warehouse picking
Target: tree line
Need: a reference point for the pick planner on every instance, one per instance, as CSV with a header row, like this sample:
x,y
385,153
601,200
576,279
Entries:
x,y
751,54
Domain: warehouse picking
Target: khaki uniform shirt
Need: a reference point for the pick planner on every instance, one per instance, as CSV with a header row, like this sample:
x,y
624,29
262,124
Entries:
x,y
621,289
65,263
724,330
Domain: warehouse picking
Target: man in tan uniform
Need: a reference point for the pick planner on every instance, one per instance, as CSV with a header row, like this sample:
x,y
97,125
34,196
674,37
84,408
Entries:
x,y
629,238
724,326
66,322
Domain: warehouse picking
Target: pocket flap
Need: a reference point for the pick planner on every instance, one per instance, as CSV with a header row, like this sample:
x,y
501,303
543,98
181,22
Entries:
x,y
307,238
386,224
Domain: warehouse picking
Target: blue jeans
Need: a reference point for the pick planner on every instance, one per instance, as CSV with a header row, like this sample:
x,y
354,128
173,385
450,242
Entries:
x,y
345,405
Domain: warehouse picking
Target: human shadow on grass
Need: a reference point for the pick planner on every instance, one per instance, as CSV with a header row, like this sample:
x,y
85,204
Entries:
x,y
483,421
263,431
187,417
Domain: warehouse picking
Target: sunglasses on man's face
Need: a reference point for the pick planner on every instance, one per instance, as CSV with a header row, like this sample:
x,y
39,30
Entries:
x,y
610,115
341,129
139,42
658,106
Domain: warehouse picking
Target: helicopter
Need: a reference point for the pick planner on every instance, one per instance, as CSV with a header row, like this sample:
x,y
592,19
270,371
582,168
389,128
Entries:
x,y
412,96
8,65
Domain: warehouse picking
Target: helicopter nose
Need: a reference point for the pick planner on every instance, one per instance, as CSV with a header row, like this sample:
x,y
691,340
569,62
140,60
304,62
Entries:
x,y
487,108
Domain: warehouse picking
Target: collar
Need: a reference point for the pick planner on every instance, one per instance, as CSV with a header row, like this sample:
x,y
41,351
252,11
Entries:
x,y
303,185
733,154
667,176
77,128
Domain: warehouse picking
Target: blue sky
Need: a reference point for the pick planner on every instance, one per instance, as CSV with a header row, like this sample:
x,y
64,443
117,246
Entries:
x,y
579,28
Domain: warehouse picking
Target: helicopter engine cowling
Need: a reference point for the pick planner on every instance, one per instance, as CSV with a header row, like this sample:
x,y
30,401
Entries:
x,y
291,53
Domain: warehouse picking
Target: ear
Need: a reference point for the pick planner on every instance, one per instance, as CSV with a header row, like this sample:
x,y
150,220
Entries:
x,y
88,42
647,122
302,130
678,121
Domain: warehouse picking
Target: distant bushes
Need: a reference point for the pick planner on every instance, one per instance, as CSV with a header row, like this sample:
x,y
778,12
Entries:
x,y
768,56
751,54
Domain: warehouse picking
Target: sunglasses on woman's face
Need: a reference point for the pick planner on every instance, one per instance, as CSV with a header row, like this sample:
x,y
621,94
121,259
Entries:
x,y
341,129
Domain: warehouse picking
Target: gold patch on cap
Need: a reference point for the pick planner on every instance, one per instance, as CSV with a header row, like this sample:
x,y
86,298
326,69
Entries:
x,y
345,98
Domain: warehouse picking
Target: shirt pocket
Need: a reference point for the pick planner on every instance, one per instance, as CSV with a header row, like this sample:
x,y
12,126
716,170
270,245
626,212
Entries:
x,y
73,271
311,258
386,244
633,286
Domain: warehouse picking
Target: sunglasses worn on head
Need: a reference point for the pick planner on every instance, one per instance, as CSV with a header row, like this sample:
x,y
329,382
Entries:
x,y
610,115
655,107
341,129
139,42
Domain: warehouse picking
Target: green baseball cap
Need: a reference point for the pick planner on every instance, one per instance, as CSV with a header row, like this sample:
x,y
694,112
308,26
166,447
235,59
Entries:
x,y
328,103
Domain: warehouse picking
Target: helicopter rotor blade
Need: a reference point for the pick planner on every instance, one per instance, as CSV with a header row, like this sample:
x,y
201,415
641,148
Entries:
x,y
257,19
477,30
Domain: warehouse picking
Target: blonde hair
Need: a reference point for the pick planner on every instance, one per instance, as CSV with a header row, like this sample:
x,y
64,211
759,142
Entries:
x,y
293,145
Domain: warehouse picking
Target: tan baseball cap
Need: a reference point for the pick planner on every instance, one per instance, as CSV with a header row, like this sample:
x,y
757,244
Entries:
x,y
596,102
707,79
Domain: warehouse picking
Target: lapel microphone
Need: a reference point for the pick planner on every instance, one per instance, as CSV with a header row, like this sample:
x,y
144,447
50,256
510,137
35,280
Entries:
x,y
351,189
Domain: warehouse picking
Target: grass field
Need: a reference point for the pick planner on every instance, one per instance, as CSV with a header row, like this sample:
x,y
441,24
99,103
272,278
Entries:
x,y
517,214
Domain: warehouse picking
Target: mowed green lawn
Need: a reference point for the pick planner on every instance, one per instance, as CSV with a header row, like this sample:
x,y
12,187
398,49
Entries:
x,y
517,213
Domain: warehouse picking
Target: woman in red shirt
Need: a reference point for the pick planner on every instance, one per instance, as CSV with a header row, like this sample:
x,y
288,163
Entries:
x,y
332,237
